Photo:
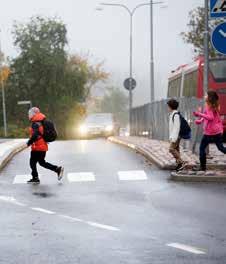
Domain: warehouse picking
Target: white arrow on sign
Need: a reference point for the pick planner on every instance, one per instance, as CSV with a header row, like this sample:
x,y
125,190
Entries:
x,y
222,33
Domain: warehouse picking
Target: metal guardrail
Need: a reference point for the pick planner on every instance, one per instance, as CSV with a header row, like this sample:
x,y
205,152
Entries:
x,y
152,120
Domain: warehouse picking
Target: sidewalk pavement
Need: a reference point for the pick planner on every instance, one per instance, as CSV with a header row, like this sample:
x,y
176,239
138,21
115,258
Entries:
x,y
158,152
10,148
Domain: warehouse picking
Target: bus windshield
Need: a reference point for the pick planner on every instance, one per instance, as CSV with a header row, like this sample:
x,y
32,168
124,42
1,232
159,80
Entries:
x,y
218,69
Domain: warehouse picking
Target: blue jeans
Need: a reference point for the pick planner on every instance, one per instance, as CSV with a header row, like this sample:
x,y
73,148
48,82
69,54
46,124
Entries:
x,y
206,140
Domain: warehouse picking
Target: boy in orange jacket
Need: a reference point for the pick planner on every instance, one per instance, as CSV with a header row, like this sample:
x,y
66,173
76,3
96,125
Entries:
x,y
39,147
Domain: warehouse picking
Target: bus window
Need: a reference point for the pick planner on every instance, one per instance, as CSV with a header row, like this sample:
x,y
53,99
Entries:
x,y
174,87
218,69
190,84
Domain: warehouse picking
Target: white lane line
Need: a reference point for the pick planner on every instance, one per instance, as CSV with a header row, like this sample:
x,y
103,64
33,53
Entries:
x,y
81,177
94,224
73,219
42,210
106,227
22,179
187,248
11,200
19,204
132,176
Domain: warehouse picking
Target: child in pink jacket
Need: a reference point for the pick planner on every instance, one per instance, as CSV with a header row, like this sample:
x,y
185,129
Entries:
x,y
213,127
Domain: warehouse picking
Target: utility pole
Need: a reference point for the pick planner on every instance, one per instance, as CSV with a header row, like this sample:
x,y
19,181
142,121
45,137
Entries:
x,y
131,74
152,69
131,15
206,49
152,80
3,93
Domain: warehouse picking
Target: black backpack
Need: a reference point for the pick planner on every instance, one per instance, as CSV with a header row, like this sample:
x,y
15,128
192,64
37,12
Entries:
x,y
50,132
185,129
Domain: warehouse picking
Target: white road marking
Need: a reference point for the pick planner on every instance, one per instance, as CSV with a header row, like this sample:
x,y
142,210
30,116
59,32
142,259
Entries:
x,y
106,227
42,210
11,200
73,219
22,179
19,204
132,176
187,248
81,177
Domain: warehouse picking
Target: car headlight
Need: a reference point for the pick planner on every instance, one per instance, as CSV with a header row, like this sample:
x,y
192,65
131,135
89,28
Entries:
x,y
109,128
83,129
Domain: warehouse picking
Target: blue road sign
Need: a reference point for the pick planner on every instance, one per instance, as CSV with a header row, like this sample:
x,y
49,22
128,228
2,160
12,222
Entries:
x,y
217,8
219,38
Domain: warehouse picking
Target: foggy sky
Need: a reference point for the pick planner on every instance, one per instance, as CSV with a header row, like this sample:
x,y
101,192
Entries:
x,y
105,35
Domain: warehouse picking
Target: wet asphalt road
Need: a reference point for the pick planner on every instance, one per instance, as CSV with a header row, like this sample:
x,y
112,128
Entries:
x,y
103,216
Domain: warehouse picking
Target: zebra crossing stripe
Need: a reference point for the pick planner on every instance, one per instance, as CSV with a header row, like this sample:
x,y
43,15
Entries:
x,y
77,177
132,176
81,177
21,179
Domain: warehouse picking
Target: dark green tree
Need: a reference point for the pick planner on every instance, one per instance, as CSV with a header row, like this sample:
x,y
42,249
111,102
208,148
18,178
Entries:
x,y
44,73
38,72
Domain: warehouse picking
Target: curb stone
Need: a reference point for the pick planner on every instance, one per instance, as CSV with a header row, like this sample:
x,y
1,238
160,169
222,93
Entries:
x,y
11,152
143,151
189,176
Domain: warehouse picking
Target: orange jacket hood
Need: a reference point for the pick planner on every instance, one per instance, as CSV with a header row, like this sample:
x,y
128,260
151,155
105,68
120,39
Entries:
x,y
38,117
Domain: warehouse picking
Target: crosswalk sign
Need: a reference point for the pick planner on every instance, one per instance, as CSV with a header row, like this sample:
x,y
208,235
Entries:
x,y
217,8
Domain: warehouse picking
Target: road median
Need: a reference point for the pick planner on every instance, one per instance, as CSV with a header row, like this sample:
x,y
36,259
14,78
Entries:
x,y
157,152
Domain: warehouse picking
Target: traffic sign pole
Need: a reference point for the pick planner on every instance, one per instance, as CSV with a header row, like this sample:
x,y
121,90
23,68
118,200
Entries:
x,y
206,49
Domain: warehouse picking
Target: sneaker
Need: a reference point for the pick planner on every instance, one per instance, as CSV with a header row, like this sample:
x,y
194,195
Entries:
x,y
60,173
34,181
181,166
209,157
198,169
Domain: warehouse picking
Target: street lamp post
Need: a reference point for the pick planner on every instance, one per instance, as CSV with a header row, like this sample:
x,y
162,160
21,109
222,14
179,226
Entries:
x,y
131,14
3,95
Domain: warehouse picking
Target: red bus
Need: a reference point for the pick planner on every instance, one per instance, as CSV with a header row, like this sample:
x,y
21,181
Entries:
x,y
187,81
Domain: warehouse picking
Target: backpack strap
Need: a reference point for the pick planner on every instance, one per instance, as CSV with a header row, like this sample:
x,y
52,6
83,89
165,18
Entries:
x,y
177,113
39,123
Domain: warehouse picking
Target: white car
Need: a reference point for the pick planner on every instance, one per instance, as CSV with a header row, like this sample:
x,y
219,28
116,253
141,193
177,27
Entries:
x,y
96,125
